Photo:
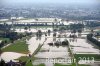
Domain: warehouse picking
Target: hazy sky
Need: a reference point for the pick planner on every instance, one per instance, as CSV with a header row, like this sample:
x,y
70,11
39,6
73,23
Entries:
x,y
49,1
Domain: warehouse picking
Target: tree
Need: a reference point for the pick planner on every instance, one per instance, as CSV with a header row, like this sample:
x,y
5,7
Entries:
x,y
76,26
79,32
92,31
64,43
74,31
36,19
2,63
54,36
62,29
25,28
57,43
39,34
29,27
49,32
0,51
55,30
53,26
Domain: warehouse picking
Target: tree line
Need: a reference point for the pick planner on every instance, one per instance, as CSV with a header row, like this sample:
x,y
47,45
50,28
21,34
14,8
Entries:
x,y
96,42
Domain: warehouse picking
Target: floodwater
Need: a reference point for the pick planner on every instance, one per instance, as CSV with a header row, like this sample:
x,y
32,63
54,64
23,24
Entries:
x,y
48,53
7,56
33,44
82,46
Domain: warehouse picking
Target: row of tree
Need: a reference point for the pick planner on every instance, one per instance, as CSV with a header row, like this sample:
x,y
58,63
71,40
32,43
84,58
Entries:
x,y
12,36
96,42
59,43
11,63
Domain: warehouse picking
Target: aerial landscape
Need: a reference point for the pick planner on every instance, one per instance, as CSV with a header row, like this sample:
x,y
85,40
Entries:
x,y
49,33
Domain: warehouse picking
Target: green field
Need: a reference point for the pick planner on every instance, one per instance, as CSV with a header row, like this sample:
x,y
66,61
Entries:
x,y
28,62
56,64
18,46
73,64
5,39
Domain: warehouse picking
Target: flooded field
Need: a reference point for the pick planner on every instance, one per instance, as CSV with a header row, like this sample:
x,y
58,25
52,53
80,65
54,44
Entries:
x,y
82,46
50,53
8,56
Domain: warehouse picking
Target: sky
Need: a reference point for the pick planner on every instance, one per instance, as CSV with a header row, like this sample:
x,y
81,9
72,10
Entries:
x,y
49,1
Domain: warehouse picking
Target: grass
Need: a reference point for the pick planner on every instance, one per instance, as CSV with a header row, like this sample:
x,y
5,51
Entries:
x,y
73,64
36,65
23,58
29,64
56,64
18,46
5,39
83,65
26,58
